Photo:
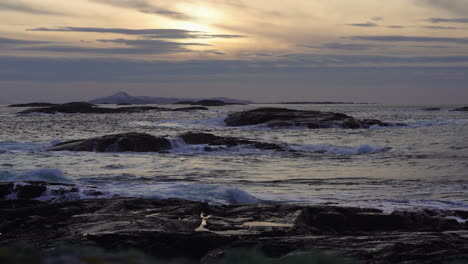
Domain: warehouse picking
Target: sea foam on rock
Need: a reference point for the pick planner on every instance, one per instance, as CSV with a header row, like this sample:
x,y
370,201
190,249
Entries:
x,y
283,117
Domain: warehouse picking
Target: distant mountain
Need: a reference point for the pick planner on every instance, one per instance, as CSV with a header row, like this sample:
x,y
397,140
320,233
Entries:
x,y
125,98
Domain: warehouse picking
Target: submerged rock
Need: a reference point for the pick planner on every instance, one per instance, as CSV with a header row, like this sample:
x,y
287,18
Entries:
x,y
464,109
141,142
175,228
283,117
87,108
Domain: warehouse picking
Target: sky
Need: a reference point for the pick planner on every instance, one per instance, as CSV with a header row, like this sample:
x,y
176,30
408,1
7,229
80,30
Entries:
x,y
393,52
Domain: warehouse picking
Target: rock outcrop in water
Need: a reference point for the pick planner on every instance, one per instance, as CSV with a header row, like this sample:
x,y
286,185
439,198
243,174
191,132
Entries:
x,y
141,142
206,103
176,228
87,108
283,117
464,109
33,105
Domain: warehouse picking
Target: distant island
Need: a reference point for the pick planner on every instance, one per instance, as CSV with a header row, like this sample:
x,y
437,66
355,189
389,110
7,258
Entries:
x,y
125,98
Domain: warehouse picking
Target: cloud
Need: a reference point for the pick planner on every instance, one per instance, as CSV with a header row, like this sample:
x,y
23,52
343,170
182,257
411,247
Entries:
x,y
395,26
377,18
368,24
346,46
9,41
458,7
18,6
150,42
90,50
147,7
215,52
447,20
439,27
132,46
149,33
411,39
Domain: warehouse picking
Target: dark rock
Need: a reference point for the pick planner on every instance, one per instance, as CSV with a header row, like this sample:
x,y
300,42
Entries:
x,y
210,139
35,189
464,109
5,189
33,105
30,191
138,142
170,229
185,102
87,108
432,109
190,108
206,103
281,117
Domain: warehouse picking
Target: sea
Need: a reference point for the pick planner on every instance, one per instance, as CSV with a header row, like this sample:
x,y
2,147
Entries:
x,y
423,165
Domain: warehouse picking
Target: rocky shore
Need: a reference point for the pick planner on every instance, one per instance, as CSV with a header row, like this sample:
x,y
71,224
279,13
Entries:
x,y
201,232
283,117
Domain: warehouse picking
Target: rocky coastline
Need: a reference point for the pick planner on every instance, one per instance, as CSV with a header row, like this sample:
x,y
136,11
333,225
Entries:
x,y
204,233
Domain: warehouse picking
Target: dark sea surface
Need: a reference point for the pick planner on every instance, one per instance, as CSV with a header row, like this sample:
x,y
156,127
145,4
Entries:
x,y
423,165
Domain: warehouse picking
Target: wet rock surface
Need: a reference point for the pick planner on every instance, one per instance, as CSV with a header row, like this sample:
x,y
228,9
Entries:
x,y
46,191
464,109
141,142
206,103
283,117
202,232
33,105
87,108
432,109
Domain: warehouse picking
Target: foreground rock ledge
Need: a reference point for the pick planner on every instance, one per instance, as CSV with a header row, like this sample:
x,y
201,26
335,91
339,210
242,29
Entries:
x,y
174,228
141,142
283,117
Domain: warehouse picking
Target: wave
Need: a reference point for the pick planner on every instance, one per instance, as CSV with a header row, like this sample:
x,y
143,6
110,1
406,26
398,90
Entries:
x,y
196,192
60,188
46,175
9,147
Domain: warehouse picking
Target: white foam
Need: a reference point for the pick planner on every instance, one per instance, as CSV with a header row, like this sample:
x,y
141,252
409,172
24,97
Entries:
x,y
339,150
195,192
46,175
9,146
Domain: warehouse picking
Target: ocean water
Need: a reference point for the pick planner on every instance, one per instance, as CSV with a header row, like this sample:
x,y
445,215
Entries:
x,y
423,165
